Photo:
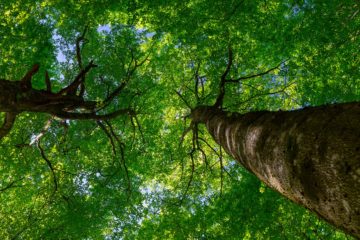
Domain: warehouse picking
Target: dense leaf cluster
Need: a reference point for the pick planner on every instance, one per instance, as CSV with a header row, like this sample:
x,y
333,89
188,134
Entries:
x,y
138,177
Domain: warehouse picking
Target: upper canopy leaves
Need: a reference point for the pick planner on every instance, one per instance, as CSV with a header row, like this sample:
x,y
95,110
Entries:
x,y
130,177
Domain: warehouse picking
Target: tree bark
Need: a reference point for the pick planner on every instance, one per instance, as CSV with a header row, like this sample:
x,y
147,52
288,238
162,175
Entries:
x,y
311,155
15,98
19,96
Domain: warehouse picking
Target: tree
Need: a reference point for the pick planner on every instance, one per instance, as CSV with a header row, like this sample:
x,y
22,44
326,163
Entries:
x,y
287,151
94,151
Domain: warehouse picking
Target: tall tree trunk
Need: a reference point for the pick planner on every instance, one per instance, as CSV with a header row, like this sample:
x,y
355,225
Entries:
x,y
311,155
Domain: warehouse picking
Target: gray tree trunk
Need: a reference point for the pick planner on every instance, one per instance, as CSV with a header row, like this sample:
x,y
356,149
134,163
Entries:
x,y
311,155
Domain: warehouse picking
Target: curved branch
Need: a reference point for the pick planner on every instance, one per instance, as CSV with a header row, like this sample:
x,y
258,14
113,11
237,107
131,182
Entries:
x,y
184,100
48,162
254,75
26,80
80,39
123,84
11,185
71,89
108,134
220,98
8,124
115,93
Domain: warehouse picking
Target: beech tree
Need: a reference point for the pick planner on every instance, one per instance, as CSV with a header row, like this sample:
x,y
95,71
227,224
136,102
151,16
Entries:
x,y
178,120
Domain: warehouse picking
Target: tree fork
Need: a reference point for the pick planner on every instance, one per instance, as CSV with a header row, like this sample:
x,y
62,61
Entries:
x,y
19,96
311,155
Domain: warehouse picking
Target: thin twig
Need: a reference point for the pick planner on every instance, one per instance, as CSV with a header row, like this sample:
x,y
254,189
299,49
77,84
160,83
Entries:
x,y
221,172
11,185
108,134
184,100
48,162
255,75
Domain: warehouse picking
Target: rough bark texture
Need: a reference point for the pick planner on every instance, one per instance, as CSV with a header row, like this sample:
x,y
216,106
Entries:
x,y
311,156
15,98
19,96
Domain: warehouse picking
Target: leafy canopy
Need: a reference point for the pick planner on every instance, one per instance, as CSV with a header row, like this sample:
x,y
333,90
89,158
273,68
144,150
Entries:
x,y
129,178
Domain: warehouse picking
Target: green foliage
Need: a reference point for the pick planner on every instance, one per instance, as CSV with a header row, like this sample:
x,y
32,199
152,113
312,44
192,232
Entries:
x,y
99,196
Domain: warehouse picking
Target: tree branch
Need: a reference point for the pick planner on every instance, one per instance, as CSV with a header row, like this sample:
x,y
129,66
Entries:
x,y
184,100
42,133
221,172
220,98
26,80
72,88
47,82
10,185
93,116
197,82
48,162
254,75
108,134
265,93
123,84
80,39
122,156
115,93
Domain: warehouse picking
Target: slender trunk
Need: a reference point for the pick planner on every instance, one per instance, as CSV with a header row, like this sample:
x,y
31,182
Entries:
x,y
311,156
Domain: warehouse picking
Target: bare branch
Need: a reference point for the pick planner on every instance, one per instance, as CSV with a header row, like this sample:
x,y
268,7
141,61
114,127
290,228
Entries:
x,y
122,157
254,75
139,127
47,82
8,124
185,132
48,162
265,93
26,80
123,84
94,116
108,134
109,131
184,100
10,185
72,88
191,175
208,144
192,152
143,61
199,148
114,94
80,39
221,95
221,171
113,133
197,83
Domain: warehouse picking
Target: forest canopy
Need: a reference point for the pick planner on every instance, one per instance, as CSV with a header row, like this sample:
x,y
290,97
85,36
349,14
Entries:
x,y
102,144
